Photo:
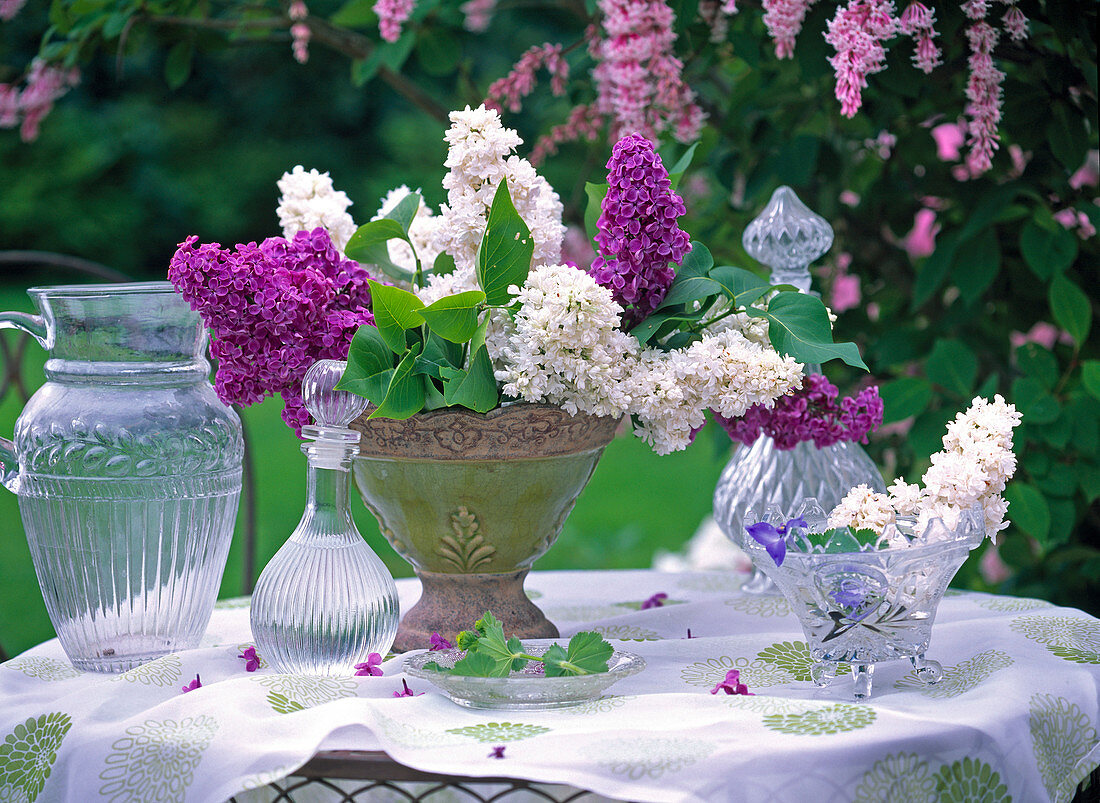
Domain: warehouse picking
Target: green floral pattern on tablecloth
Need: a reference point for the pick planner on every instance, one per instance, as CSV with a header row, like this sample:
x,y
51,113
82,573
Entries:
x,y
755,672
1069,637
601,705
412,736
262,779
636,604
500,731
712,583
763,605
290,693
28,753
763,704
626,632
1012,604
45,669
960,678
970,781
1062,736
792,656
831,719
900,778
638,758
156,761
165,671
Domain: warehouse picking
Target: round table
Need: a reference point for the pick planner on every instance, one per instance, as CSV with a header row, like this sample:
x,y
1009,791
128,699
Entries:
x,y
1015,716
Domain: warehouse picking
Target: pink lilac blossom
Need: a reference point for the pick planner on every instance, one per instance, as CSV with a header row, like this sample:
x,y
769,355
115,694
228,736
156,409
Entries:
x,y
392,15
732,684
583,122
251,659
1073,219
478,13
983,91
849,198
811,413
191,685
273,309
639,85
783,19
9,8
639,238
918,21
29,106
1014,22
949,139
882,145
510,90
1088,174
299,31
372,667
845,293
406,691
921,239
857,33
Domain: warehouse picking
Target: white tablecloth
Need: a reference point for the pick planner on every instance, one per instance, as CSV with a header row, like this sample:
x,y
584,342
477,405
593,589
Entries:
x,y
1014,718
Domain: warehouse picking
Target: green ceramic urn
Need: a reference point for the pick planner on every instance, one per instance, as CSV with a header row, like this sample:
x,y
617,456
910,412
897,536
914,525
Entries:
x,y
471,501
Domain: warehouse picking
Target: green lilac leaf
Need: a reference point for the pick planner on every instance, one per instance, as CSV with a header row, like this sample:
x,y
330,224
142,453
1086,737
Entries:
x,y
1028,509
1090,376
395,310
476,388
477,665
1035,403
742,287
433,397
444,264
369,360
355,14
1071,308
405,394
645,330
504,257
372,387
676,172
1036,361
692,283
904,397
376,231
594,193
935,269
798,326
454,317
177,67
404,212
977,264
1047,251
953,366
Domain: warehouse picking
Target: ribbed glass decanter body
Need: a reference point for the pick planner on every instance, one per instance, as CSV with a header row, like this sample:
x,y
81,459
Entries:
x,y
325,601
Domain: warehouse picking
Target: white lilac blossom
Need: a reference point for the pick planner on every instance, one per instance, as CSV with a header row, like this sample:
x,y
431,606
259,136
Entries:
x,y
308,201
421,232
970,471
481,154
564,346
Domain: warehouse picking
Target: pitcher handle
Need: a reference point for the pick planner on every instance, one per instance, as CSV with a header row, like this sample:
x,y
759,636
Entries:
x,y
33,325
9,466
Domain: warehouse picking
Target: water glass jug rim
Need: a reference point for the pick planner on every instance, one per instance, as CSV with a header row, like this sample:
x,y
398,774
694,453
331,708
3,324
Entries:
x,y
99,290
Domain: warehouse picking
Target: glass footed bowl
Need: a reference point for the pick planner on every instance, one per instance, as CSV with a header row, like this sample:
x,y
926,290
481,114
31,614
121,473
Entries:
x,y
523,690
860,605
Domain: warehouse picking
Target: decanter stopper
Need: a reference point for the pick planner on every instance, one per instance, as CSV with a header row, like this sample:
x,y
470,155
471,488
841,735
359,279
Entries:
x,y
787,236
332,410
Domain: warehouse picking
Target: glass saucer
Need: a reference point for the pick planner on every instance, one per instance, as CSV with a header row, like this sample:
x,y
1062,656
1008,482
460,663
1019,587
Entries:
x,y
523,690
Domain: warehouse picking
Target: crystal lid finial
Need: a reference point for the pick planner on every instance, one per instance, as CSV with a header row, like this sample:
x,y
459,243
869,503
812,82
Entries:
x,y
787,236
328,406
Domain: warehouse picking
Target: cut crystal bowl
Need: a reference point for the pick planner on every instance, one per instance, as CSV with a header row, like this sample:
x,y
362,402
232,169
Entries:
x,y
862,604
525,690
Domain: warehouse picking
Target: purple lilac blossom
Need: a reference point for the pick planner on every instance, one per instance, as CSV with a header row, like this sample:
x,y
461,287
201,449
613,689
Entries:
x,y
851,593
497,752
439,643
371,667
656,601
191,686
638,236
407,692
273,310
251,659
812,413
732,684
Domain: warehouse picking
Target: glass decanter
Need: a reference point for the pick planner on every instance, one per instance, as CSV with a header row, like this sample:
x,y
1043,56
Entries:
x,y
787,236
325,601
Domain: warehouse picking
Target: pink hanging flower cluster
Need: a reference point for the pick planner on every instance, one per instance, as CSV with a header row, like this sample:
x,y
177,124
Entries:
x,y
639,238
479,13
857,33
638,80
273,309
583,122
27,107
510,90
783,19
983,90
392,15
716,14
918,21
299,31
9,8
810,414
1014,22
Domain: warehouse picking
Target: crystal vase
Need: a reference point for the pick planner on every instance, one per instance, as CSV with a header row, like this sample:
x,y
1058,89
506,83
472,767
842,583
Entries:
x,y
325,601
863,605
760,476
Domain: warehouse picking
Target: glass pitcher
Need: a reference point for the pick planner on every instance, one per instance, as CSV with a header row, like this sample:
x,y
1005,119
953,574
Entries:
x,y
127,467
